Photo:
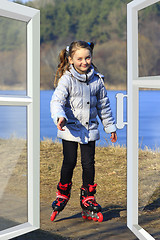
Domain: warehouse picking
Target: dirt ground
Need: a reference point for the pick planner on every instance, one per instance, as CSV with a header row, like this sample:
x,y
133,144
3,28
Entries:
x,y
70,225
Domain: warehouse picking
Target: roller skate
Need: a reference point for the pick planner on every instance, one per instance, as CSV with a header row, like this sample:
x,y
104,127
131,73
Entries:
x,y
63,195
91,209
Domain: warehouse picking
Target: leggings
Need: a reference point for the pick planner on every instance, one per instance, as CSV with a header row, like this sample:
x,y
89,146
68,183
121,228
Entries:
x,y
70,160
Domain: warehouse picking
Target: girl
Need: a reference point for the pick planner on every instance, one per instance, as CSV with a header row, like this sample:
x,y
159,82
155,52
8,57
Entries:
x,y
77,100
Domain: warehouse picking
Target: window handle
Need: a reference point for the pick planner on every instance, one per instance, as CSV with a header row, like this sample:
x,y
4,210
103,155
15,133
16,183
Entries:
x,y
120,123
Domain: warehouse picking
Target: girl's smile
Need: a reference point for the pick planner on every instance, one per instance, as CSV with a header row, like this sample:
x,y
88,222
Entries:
x,y
81,60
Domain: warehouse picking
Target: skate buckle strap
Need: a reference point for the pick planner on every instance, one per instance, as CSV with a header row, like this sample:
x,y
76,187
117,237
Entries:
x,y
62,196
92,188
87,199
64,187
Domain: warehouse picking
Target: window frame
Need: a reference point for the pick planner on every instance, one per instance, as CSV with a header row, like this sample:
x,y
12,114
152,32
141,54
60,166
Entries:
x,y
134,83
32,102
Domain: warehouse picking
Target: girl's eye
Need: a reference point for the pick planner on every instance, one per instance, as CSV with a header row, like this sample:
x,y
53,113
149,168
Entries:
x,y
79,59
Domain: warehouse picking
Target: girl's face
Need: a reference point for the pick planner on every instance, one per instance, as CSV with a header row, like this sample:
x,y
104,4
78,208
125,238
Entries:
x,y
81,60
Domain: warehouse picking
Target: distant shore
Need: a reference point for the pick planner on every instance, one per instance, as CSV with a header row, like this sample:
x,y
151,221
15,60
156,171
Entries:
x,y
21,88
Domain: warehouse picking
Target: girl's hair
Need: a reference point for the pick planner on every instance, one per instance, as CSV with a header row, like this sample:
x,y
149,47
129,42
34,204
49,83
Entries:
x,y
69,51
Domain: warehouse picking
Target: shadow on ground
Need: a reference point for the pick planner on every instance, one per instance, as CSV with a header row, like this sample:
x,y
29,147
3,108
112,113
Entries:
x,y
108,214
40,235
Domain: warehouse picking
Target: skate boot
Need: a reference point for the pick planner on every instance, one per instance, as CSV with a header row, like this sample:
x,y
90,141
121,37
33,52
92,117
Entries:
x,y
63,195
91,209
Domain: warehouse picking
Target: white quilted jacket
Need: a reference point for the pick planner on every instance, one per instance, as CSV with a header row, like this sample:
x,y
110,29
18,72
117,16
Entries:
x,y
79,98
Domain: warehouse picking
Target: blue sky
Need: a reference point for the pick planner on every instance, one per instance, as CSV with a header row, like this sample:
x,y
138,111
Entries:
x,y
24,1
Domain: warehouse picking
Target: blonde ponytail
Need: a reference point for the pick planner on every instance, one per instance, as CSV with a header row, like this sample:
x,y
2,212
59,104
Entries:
x,y
62,66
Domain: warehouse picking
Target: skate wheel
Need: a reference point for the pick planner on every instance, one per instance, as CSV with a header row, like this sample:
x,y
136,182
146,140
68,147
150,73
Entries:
x,y
84,217
100,217
95,219
53,216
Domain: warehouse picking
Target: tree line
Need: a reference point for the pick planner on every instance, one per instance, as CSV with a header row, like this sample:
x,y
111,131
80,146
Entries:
x,y
97,20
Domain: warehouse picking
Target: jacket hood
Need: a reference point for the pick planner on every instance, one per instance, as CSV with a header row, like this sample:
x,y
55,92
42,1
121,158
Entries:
x,y
82,77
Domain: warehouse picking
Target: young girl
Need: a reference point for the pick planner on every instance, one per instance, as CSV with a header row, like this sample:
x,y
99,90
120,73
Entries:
x,y
77,100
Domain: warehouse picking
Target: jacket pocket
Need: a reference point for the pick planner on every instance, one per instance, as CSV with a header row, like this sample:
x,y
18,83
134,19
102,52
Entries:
x,y
72,125
93,124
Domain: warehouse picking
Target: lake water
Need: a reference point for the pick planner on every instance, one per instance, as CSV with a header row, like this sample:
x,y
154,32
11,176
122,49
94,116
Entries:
x,y
13,120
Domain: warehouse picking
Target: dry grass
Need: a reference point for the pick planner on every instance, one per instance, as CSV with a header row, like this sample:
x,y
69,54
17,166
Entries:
x,y
110,173
111,170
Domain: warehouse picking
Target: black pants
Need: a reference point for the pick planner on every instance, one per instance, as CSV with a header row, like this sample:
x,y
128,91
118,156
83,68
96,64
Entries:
x,y
70,160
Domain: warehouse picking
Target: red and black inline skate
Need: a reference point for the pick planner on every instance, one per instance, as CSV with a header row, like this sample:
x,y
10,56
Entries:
x,y
63,195
91,209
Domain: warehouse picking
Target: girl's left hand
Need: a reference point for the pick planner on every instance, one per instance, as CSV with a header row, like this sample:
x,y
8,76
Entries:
x,y
113,137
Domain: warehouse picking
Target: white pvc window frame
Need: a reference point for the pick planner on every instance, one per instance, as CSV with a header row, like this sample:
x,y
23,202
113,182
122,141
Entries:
x,y
134,83
32,102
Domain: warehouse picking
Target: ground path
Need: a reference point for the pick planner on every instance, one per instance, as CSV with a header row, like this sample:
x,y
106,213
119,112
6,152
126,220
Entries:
x,y
70,225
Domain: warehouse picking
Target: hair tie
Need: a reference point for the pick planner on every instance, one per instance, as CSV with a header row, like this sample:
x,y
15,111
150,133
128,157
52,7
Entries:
x,y
67,49
89,43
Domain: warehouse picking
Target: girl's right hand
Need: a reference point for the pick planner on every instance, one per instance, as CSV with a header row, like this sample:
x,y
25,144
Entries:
x,y
61,123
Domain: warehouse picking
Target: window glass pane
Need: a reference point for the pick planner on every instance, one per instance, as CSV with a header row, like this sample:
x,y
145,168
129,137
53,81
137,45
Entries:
x,y
13,55
12,122
149,161
13,167
149,44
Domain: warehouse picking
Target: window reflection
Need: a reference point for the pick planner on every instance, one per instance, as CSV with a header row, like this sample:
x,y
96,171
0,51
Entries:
x,y
13,167
13,55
